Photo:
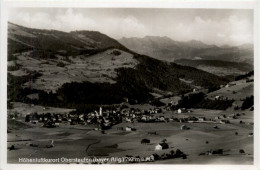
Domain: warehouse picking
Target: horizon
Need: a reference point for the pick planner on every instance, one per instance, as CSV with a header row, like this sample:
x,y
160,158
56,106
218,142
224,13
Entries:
x,y
220,27
138,37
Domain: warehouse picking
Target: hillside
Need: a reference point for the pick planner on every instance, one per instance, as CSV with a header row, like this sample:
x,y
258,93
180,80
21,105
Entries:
x,y
47,43
86,67
237,90
164,48
217,67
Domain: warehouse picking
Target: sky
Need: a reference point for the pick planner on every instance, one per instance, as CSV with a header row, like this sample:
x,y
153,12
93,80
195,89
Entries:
x,y
212,26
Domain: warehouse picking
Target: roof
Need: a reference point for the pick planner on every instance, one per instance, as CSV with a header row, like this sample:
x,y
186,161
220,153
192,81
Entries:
x,y
164,145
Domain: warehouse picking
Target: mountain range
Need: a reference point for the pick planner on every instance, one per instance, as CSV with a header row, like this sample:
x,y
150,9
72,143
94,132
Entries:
x,y
164,48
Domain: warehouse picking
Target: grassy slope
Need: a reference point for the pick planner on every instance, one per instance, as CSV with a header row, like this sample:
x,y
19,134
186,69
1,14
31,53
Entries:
x,y
217,66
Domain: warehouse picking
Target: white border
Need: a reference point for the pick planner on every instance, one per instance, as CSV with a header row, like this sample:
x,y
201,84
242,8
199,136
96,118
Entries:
x,y
7,4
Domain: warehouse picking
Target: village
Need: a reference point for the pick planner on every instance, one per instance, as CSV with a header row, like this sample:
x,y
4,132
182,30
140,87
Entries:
x,y
126,120
106,119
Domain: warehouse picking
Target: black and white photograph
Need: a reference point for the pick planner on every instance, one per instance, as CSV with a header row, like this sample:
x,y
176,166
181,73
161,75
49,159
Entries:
x,y
126,85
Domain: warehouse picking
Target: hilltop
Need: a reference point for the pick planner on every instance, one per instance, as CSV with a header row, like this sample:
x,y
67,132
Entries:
x,y
53,42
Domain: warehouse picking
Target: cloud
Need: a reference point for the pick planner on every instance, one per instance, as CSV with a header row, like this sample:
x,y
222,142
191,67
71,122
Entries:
x,y
212,27
231,30
221,35
71,21
130,26
66,21
243,38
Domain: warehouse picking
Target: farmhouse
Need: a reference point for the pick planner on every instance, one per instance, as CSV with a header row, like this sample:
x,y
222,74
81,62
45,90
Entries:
x,y
182,110
161,118
217,117
202,118
128,129
224,121
128,119
219,97
161,146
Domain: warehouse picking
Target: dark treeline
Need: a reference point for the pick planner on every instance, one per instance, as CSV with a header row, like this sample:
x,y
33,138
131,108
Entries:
x,y
15,92
198,100
248,102
244,76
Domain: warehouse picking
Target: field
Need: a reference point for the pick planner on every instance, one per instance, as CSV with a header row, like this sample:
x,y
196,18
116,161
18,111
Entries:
x,y
96,68
78,141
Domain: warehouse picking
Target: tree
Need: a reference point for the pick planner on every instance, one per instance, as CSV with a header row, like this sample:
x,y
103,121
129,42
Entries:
x,y
241,151
27,118
249,102
172,152
145,141
164,140
11,148
156,156
178,153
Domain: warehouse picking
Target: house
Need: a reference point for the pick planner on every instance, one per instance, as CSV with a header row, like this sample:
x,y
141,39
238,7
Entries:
x,y
154,157
150,158
202,118
144,118
128,119
129,129
219,97
182,110
161,118
161,146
